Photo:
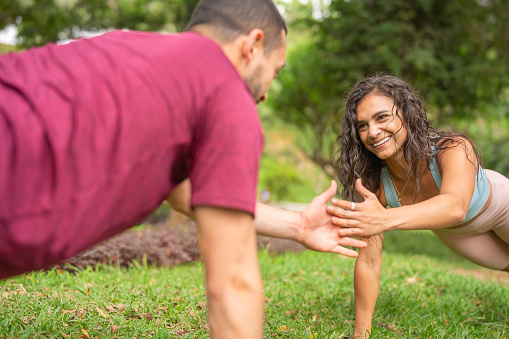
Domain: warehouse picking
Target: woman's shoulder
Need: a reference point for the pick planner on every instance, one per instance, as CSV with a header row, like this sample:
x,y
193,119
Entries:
x,y
454,151
453,145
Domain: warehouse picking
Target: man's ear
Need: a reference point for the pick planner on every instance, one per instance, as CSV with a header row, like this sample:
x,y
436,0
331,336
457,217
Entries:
x,y
253,44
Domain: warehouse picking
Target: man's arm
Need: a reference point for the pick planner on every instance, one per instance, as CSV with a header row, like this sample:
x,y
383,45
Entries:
x,y
234,287
312,227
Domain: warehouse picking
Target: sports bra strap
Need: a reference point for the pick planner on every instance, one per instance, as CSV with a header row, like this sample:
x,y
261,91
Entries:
x,y
433,168
390,191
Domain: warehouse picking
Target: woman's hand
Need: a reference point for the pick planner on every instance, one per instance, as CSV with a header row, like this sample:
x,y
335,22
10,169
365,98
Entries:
x,y
367,218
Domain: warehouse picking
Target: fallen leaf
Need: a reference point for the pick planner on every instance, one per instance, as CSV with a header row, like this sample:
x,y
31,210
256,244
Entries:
x,y
284,328
111,309
149,316
290,312
120,307
114,329
85,334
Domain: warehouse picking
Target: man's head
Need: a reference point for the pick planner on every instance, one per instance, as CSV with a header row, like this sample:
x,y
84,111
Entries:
x,y
252,34
232,18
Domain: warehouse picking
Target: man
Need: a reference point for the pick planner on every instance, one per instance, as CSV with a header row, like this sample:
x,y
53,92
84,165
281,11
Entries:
x,y
96,133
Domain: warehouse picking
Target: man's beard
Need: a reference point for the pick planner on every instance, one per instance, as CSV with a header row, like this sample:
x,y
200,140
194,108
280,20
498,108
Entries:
x,y
254,85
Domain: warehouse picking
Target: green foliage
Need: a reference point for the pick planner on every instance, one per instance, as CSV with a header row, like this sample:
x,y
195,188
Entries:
x,y
285,182
285,171
4,49
453,52
39,22
279,179
489,130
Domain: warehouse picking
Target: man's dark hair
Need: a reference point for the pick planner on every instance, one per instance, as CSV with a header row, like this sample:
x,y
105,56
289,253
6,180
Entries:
x,y
231,18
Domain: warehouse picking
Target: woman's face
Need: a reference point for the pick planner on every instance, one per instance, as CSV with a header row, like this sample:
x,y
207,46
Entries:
x,y
381,131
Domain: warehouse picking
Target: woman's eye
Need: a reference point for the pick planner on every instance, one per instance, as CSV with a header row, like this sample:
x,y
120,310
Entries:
x,y
362,127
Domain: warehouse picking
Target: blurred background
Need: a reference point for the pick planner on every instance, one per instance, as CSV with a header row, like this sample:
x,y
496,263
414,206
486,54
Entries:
x,y
455,53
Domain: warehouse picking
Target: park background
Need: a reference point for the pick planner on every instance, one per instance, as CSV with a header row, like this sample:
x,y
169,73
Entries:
x,y
455,53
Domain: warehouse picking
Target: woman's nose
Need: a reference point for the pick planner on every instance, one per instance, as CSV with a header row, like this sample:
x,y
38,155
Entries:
x,y
373,131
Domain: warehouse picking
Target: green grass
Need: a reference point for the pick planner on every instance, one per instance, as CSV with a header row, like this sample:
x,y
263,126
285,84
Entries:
x,y
308,295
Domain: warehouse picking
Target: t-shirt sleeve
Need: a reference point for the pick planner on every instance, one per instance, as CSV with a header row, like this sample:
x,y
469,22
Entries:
x,y
226,150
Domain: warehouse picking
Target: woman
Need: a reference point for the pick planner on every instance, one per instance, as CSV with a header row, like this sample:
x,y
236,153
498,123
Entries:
x,y
433,178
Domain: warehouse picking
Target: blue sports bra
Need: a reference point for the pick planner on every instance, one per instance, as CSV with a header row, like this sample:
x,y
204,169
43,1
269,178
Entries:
x,y
481,191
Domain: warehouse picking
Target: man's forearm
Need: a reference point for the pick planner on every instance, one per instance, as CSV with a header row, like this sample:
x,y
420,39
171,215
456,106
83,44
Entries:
x,y
276,223
234,288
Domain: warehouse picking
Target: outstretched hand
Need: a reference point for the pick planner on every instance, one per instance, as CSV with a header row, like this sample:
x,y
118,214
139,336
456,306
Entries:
x,y
317,231
366,219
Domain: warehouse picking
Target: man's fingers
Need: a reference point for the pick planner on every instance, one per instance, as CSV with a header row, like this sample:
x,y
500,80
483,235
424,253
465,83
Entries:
x,y
350,232
351,242
345,251
343,221
329,193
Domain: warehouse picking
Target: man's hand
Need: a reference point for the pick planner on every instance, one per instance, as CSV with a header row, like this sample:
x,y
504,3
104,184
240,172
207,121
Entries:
x,y
317,231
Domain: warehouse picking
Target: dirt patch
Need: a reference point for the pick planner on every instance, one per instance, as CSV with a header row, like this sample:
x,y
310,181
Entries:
x,y
486,274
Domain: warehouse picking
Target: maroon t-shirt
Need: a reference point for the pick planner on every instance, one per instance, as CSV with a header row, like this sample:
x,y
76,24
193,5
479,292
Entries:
x,y
96,133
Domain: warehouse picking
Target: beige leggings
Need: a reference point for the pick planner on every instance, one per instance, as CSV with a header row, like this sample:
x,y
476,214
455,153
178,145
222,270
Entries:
x,y
485,241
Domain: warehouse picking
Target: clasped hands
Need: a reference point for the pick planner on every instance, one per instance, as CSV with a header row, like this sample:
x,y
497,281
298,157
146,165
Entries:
x,y
361,219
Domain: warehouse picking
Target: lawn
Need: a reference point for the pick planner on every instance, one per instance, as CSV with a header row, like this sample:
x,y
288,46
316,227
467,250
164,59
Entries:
x,y
307,295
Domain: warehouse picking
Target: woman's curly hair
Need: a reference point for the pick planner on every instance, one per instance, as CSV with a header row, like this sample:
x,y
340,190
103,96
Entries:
x,y
354,161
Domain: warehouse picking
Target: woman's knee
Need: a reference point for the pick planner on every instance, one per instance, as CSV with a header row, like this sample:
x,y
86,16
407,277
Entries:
x,y
506,268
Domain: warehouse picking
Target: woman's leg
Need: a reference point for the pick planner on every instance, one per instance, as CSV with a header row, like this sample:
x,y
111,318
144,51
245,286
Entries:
x,y
485,249
485,241
503,233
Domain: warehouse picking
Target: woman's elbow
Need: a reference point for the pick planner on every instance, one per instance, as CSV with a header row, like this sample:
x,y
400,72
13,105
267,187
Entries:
x,y
458,214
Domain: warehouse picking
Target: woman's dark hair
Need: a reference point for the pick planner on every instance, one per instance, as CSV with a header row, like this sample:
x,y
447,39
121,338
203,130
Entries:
x,y
231,18
354,161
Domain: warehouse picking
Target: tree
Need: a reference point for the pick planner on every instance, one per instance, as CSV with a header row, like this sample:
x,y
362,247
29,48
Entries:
x,y
454,52
42,21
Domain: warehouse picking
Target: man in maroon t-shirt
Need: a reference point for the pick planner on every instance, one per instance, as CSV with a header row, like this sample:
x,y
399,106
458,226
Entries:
x,y
95,134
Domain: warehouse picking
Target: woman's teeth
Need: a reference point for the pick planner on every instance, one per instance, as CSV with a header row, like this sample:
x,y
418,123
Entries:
x,y
384,140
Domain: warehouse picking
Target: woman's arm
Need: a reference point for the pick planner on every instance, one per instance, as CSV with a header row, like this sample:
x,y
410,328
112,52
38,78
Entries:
x,y
446,209
366,285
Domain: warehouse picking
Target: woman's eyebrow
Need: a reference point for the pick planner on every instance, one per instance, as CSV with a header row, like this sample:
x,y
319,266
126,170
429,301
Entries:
x,y
376,114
